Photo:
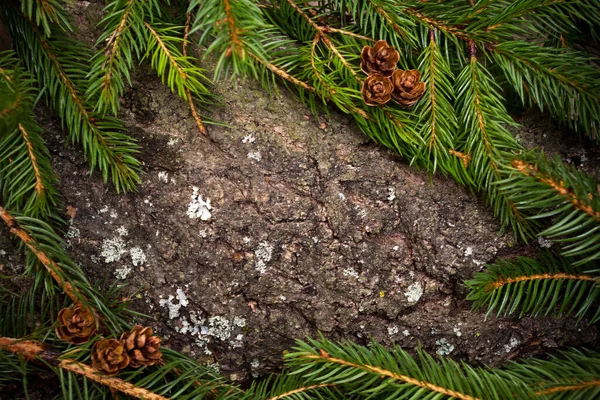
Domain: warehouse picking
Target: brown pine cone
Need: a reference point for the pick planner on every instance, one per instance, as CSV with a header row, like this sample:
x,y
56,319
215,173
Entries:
x,y
377,90
408,88
379,59
109,356
76,324
141,346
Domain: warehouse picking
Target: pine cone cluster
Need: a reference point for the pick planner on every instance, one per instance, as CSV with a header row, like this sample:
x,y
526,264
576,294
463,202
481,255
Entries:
x,y
384,81
139,347
76,324
134,349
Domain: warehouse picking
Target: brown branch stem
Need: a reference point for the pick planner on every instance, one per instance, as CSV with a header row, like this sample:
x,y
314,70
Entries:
x,y
385,373
532,171
50,265
561,275
188,93
39,185
33,350
278,71
580,386
300,390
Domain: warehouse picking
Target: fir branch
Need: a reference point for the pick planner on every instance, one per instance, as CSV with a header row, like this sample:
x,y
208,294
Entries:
x,y
304,389
570,374
487,141
284,75
286,385
173,67
544,286
437,115
564,82
236,30
111,382
26,177
123,37
538,16
392,374
59,64
45,247
551,190
381,19
45,13
51,266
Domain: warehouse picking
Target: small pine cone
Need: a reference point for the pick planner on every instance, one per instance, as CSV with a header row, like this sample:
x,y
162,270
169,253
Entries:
x,y
109,356
141,346
377,90
379,59
76,324
408,88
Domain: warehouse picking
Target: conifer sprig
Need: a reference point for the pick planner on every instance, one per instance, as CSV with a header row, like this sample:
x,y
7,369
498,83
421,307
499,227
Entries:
x,y
485,138
548,285
232,31
45,14
564,82
171,65
123,40
555,192
570,374
47,260
392,374
437,114
60,67
26,177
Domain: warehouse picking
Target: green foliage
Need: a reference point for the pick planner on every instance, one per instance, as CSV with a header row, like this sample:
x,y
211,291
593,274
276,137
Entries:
x,y
393,374
59,65
548,285
565,198
26,178
469,53
171,65
572,375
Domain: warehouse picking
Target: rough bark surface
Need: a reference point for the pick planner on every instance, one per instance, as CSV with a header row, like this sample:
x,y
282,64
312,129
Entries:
x,y
311,228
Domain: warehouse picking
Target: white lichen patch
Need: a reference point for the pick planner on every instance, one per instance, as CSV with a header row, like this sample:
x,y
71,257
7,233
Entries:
x,y
122,273
72,233
199,208
137,256
163,176
514,342
113,249
391,195
544,243
350,272
263,253
406,332
361,212
393,330
468,251
174,307
414,292
122,231
248,139
173,141
255,155
444,347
